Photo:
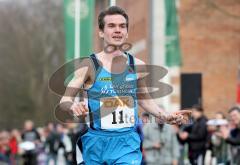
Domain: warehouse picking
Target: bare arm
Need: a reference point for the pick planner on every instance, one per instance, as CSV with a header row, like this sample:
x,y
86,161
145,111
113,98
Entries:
x,y
146,102
81,76
149,105
144,98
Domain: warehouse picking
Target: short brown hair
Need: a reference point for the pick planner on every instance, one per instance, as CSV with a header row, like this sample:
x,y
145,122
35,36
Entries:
x,y
236,108
113,10
198,108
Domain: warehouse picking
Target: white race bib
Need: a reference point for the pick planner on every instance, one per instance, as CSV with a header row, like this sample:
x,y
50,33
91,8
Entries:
x,y
117,112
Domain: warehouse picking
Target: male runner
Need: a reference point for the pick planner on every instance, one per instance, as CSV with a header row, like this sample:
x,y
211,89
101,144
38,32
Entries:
x,y
115,86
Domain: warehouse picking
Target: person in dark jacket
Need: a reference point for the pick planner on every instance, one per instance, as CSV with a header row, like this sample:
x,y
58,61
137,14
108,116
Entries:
x,y
232,135
52,143
196,137
31,135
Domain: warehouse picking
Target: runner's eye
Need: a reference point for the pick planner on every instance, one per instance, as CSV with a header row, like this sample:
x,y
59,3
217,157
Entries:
x,y
123,25
111,25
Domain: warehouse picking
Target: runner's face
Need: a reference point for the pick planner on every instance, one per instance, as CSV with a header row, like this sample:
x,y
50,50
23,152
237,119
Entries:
x,y
115,30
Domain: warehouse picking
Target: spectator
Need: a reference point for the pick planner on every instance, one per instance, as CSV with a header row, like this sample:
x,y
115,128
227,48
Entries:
x,y
145,118
151,143
15,139
31,138
52,144
218,146
183,146
169,150
220,115
232,136
196,137
66,144
41,153
4,148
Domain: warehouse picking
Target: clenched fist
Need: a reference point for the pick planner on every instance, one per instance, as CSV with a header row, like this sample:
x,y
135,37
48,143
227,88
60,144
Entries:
x,y
79,108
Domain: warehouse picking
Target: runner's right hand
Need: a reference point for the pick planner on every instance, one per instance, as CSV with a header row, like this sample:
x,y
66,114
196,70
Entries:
x,y
79,108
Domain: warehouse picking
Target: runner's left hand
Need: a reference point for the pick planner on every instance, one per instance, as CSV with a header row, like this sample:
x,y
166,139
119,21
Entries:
x,y
179,117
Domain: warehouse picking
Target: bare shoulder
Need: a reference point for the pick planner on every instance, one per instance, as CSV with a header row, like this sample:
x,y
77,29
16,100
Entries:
x,y
83,72
83,67
139,62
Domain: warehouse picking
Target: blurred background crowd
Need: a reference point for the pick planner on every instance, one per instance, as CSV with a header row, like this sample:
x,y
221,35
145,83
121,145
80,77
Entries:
x,y
212,142
50,144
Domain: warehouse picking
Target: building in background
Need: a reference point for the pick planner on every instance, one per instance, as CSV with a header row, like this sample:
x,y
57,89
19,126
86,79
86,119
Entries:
x,y
209,46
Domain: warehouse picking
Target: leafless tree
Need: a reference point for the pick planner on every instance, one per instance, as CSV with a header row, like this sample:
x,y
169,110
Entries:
x,y
31,49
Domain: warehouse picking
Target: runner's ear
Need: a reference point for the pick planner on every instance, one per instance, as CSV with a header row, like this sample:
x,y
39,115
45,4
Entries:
x,y
100,33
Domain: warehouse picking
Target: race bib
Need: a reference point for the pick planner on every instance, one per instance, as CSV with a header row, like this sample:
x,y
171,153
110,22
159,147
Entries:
x,y
117,112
